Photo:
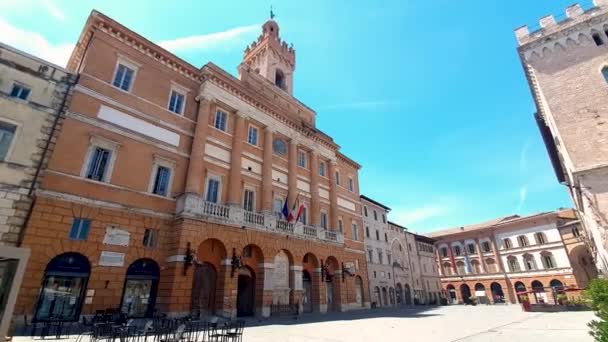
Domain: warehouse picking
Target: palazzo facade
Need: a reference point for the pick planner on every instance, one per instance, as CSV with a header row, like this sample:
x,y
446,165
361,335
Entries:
x,y
169,184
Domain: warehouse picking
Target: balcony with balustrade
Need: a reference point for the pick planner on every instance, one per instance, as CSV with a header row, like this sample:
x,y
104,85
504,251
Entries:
x,y
193,206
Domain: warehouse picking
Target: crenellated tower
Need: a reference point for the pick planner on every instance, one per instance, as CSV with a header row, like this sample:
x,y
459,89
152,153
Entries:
x,y
271,57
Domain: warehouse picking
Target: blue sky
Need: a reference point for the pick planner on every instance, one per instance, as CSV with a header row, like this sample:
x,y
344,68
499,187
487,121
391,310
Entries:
x,y
429,96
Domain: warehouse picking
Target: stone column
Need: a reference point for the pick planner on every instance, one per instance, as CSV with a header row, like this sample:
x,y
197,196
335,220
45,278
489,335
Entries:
x,y
227,291
499,264
452,260
234,190
267,171
194,179
292,180
439,262
482,261
265,280
333,197
318,291
314,189
297,287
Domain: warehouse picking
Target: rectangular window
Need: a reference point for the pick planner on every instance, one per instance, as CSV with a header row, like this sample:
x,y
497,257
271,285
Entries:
x,y
388,258
323,220
486,246
375,216
337,177
367,232
99,164
252,136
471,248
365,211
377,235
355,232
383,218
385,237
380,257
150,238
340,226
322,169
302,159
303,215
248,200
20,91
370,255
176,102
161,181
213,191
80,229
7,134
277,207
351,185
457,250
123,77
220,120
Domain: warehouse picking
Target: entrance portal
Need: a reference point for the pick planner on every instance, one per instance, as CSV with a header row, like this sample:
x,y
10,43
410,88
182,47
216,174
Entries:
x,y
245,299
359,291
203,290
307,295
465,293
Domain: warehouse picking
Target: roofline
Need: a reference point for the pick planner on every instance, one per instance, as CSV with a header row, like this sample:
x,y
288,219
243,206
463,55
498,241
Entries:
x,y
397,225
374,202
457,230
424,238
32,57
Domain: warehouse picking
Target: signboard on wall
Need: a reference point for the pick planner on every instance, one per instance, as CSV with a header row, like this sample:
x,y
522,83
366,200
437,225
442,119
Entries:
x,y
116,236
112,259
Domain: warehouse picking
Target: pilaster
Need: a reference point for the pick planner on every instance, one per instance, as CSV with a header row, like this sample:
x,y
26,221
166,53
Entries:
x,y
194,179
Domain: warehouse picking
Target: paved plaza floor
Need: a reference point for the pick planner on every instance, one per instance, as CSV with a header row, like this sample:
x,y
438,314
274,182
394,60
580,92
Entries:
x,y
499,323
441,324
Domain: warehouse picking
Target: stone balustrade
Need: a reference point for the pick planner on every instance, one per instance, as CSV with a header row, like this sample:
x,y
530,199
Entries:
x,y
191,205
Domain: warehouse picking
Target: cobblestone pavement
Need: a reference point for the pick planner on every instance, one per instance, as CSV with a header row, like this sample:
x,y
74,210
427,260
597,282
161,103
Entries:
x,y
442,324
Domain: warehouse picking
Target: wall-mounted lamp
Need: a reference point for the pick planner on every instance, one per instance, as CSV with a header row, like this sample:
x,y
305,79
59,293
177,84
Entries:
x,y
188,258
235,263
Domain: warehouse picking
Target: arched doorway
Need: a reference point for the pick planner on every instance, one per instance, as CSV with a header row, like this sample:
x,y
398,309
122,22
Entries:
x,y
408,294
359,291
539,292
310,274
480,293
139,290
245,298
378,296
452,294
391,294
307,287
207,273
520,290
384,296
399,294
332,284
63,287
465,293
204,283
498,295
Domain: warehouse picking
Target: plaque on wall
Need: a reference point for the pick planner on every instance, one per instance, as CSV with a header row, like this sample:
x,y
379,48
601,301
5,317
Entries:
x,y
112,259
116,236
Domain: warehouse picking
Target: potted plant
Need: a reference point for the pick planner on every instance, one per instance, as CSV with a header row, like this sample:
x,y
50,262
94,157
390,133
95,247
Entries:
x,y
562,299
473,300
525,302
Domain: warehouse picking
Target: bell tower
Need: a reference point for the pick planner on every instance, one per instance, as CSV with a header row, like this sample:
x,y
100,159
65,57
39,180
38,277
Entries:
x,y
271,57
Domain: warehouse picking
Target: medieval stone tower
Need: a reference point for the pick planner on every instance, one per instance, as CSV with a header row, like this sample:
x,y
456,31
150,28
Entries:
x,y
271,57
566,64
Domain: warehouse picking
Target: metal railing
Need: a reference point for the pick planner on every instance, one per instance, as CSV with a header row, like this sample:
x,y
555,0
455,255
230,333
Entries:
x,y
284,226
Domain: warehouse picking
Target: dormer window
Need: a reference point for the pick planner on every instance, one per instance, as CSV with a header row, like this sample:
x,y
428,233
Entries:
x,y
279,79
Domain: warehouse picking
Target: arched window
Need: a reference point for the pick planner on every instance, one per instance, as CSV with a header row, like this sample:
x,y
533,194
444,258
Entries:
x,y
548,260
507,243
460,267
457,250
444,252
513,264
475,267
556,285
447,268
279,79
491,266
529,262
597,39
522,241
540,238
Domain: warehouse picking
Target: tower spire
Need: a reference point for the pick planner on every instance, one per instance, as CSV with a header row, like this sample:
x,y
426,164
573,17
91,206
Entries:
x,y
271,13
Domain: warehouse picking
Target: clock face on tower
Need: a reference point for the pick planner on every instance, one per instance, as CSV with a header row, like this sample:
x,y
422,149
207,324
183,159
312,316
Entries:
x,y
279,146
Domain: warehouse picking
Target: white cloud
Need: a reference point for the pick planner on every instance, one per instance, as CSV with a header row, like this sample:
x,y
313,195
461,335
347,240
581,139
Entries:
x,y
408,216
523,195
238,36
35,44
53,10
